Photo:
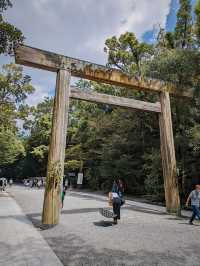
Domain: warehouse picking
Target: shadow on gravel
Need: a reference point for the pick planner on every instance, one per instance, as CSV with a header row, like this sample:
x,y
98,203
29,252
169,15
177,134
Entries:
x,y
88,197
37,222
144,210
83,210
190,224
72,211
89,210
36,217
74,251
103,223
182,217
175,218
127,206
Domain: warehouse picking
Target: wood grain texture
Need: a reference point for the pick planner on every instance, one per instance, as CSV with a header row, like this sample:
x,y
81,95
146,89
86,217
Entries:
x,y
168,155
37,58
114,100
55,169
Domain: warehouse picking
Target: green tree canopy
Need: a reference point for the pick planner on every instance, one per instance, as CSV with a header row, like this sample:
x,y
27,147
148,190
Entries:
x,y
127,53
197,23
11,147
183,29
14,89
10,36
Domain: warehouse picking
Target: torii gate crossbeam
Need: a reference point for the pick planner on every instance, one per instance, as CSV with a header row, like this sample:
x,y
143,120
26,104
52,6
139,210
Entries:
x,y
114,100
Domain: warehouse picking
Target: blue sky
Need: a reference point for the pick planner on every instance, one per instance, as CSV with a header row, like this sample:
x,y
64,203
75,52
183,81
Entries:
x,y
149,36
79,28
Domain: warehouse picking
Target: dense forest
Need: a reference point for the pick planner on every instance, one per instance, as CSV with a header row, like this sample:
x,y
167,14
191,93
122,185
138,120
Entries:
x,y
105,142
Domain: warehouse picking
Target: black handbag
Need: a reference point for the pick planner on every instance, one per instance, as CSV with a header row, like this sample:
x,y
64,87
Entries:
x,y
122,201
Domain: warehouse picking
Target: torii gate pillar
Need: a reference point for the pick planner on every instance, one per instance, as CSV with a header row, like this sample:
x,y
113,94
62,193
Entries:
x,y
168,156
55,168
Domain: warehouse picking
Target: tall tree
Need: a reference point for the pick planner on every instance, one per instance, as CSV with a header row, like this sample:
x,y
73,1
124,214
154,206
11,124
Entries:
x,y
11,147
197,23
39,127
183,29
127,53
14,89
10,36
165,40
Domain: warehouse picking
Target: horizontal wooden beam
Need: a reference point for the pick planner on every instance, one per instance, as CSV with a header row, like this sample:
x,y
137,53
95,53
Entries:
x,y
114,100
37,58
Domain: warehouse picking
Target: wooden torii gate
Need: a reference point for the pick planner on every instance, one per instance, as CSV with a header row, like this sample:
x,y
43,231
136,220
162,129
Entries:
x,y
65,67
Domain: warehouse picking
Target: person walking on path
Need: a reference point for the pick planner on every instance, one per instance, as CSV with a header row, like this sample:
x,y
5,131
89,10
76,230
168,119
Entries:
x,y
1,184
194,197
39,183
4,183
118,201
66,183
10,182
63,196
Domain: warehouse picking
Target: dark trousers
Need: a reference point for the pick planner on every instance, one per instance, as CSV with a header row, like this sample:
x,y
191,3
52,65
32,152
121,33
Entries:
x,y
195,212
116,207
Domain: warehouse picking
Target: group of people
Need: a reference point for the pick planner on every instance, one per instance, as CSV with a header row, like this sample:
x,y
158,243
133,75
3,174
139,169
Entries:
x,y
117,196
4,182
118,201
34,182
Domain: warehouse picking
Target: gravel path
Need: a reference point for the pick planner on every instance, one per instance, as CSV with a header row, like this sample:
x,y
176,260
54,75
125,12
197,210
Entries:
x,y
21,249
145,236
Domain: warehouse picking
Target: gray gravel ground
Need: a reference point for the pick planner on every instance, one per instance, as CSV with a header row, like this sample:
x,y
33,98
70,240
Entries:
x,y
85,238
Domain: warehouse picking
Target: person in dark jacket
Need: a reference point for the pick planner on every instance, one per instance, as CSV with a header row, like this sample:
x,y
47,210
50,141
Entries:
x,y
118,201
63,192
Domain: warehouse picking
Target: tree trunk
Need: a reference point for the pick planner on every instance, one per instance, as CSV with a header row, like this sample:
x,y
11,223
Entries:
x,y
56,156
168,156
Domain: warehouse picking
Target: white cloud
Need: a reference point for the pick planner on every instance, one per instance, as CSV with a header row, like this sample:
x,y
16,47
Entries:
x,y
135,16
38,96
79,28
144,15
